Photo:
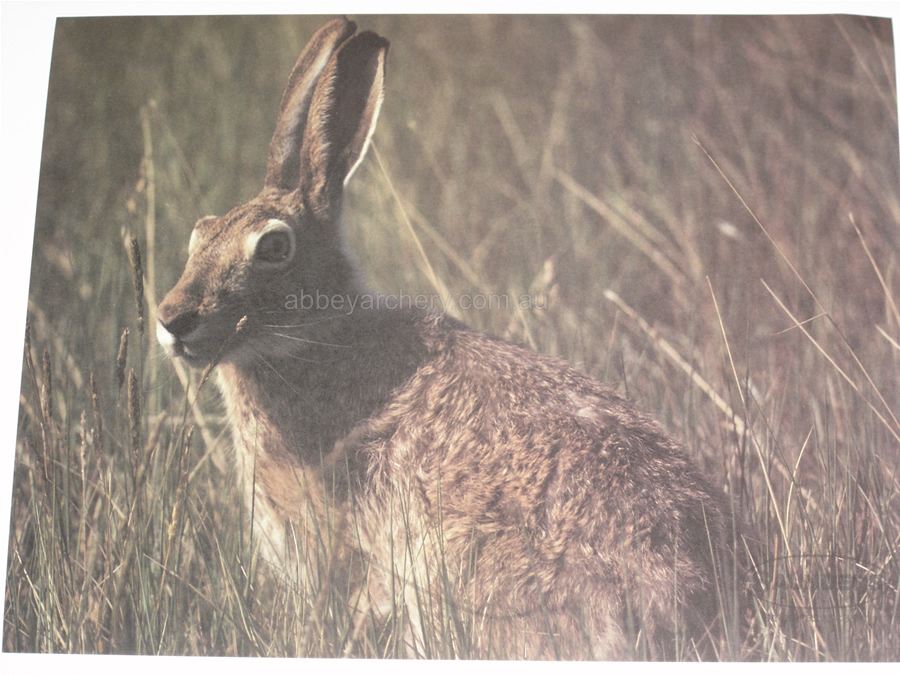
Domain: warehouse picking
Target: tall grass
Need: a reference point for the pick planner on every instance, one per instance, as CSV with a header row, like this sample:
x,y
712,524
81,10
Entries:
x,y
705,211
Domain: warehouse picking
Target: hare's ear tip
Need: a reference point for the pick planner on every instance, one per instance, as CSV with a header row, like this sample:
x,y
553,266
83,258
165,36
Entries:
x,y
344,20
375,41
341,25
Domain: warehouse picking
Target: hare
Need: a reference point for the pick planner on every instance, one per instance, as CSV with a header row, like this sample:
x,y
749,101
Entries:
x,y
446,473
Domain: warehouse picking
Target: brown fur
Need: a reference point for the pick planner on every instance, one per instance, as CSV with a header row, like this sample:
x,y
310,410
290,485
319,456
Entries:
x,y
503,484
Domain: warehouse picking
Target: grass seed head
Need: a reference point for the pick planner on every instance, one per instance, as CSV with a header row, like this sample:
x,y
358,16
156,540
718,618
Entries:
x,y
137,268
134,413
122,358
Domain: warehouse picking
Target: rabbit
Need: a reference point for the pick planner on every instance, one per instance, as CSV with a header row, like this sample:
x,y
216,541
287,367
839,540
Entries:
x,y
441,463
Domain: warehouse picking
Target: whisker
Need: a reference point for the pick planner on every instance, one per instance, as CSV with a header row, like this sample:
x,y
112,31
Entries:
x,y
307,340
277,372
310,321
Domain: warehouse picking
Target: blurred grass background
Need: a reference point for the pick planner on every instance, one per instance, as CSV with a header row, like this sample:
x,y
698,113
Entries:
x,y
705,208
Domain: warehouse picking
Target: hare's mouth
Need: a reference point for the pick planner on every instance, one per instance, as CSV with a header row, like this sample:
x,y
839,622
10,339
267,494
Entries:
x,y
201,342
183,348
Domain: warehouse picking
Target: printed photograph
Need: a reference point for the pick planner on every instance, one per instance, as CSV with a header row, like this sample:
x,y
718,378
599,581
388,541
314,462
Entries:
x,y
496,337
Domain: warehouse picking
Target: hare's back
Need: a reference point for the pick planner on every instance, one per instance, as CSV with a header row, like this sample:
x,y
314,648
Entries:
x,y
515,439
546,490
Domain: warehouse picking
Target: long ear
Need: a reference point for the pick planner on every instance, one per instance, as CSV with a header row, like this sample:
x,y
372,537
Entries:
x,y
283,168
342,117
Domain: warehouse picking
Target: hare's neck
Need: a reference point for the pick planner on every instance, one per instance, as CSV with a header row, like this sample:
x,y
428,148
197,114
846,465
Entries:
x,y
297,422
288,495
265,413
302,406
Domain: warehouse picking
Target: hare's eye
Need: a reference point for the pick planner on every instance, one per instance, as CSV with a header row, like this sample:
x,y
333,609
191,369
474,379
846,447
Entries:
x,y
274,247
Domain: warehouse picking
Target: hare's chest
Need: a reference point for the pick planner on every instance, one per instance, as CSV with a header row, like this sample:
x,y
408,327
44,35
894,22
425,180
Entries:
x,y
294,486
268,474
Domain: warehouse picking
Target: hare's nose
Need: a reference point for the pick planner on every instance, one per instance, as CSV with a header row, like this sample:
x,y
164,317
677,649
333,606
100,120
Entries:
x,y
180,325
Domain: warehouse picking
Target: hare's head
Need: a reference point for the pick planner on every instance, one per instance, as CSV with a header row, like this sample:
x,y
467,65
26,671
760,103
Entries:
x,y
237,294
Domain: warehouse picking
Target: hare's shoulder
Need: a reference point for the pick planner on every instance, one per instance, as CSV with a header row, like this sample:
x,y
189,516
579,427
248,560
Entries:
x,y
477,391
510,380
507,433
